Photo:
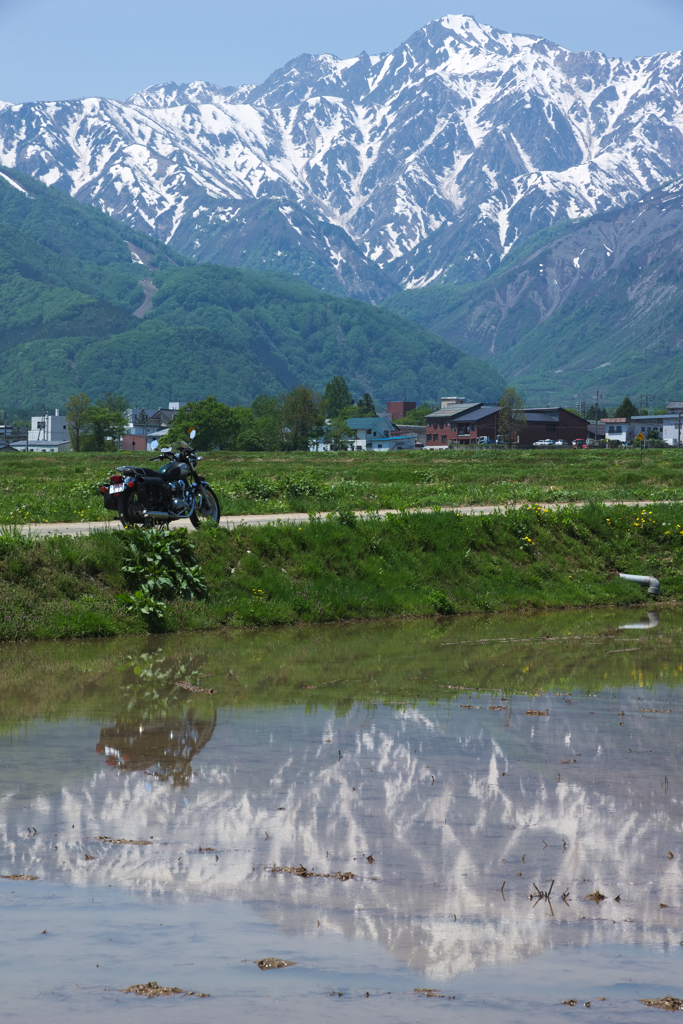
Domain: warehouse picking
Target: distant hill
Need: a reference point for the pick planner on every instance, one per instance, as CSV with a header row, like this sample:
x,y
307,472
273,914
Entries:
x,y
72,280
595,303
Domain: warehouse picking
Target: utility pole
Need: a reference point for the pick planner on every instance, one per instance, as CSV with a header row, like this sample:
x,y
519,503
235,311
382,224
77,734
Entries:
x,y
679,428
598,396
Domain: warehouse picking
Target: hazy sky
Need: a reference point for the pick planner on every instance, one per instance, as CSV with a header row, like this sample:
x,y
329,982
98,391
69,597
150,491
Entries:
x,y
72,48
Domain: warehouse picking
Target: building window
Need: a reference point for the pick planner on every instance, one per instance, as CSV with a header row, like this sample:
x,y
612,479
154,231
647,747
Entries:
x,y
444,439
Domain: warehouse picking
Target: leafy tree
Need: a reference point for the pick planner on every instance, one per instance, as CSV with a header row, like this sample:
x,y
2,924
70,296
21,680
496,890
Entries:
x,y
339,435
337,396
416,416
266,428
511,415
366,406
76,418
627,408
217,425
303,416
105,421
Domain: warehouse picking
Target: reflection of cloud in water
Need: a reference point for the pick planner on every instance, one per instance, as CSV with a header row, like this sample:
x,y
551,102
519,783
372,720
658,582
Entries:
x,y
440,847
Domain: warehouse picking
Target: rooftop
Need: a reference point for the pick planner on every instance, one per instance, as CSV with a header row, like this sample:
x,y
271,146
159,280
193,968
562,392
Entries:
x,y
453,410
368,422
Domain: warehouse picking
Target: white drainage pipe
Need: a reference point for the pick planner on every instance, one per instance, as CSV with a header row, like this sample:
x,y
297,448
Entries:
x,y
650,582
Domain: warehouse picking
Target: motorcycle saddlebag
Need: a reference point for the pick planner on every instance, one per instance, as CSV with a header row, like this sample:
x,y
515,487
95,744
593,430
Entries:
x,y
111,502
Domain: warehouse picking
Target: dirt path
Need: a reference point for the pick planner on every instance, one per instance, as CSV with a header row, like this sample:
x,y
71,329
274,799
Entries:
x,y
150,289
264,519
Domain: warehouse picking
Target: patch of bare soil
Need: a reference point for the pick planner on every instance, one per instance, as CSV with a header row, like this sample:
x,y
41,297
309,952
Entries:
x,y
21,878
270,963
151,989
666,1003
596,896
303,872
185,684
122,842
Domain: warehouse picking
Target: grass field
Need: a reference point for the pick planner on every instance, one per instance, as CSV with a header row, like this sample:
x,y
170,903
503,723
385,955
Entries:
x,y
65,488
406,565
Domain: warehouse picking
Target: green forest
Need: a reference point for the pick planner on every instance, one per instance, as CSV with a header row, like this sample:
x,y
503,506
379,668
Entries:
x,y
72,279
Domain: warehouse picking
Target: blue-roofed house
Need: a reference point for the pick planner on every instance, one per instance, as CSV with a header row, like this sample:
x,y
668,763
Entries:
x,y
373,433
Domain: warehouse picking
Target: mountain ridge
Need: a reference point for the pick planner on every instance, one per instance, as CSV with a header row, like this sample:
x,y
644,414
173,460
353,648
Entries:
x,y
429,162
586,305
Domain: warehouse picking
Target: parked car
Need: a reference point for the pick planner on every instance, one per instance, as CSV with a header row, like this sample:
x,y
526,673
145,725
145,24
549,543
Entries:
x,y
543,444
562,444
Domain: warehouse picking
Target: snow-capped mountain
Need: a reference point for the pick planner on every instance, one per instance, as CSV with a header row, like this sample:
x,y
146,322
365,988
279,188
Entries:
x,y
376,172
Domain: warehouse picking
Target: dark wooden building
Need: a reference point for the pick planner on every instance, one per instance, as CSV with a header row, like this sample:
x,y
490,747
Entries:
x,y
467,423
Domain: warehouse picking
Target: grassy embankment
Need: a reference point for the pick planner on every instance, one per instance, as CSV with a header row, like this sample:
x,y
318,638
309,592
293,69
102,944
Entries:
x,y
405,565
65,488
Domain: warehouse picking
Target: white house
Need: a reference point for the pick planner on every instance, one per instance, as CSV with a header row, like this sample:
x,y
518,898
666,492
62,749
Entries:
x,y
47,432
373,433
620,428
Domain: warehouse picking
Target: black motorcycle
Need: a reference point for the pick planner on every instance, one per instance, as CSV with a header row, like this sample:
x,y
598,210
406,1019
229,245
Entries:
x,y
150,497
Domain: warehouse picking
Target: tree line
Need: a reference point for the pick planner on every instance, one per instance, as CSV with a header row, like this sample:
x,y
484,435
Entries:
x,y
285,422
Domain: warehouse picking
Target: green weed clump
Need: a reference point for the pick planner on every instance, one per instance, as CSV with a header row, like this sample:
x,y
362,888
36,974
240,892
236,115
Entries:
x,y
161,564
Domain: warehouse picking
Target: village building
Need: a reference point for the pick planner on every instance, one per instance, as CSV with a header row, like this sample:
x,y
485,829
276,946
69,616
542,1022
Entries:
x,y
620,428
476,423
372,433
397,410
48,434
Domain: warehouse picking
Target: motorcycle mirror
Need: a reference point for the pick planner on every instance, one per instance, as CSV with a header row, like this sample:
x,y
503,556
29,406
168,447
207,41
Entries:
x,y
193,434
153,446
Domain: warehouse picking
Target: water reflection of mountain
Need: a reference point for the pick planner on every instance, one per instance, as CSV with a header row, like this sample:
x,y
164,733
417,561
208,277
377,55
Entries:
x,y
450,802
163,748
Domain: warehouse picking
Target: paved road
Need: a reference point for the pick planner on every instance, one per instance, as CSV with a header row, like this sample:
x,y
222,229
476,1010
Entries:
x,y
231,522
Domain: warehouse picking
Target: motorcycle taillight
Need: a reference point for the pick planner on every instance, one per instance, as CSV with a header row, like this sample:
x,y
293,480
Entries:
x,y
116,479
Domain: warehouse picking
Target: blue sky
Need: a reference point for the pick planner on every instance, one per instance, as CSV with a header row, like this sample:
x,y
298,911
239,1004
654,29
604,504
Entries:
x,y
102,48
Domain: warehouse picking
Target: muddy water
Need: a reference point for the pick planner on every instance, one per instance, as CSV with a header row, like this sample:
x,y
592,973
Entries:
x,y
452,770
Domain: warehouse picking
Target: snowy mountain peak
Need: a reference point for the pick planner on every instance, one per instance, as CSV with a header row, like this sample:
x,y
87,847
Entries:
x,y
171,95
369,173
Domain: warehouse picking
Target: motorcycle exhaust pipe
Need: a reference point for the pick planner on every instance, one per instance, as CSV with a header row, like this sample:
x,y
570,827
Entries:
x,y
166,515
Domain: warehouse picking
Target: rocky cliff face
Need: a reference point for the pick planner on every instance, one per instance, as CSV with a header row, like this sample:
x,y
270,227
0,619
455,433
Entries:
x,y
374,173
585,306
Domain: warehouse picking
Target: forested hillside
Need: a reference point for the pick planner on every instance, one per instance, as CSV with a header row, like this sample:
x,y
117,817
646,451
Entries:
x,y
72,279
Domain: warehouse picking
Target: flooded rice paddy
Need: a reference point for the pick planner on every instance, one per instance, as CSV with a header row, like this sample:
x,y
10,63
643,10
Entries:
x,y
475,821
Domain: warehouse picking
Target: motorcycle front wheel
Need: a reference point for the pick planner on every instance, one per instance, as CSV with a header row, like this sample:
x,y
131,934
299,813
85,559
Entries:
x,y
208,510
131,508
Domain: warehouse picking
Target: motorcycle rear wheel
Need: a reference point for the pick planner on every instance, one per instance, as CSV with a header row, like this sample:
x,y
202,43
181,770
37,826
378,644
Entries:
x,y
130,509
208,510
